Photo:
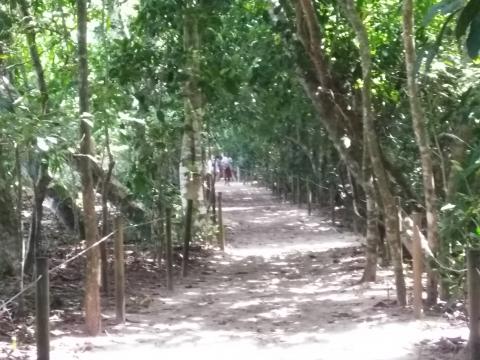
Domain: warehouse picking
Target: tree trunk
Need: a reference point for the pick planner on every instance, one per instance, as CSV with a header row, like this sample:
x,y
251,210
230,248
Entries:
x,y
373,237
191,156
341,122
160,232
20,242
9,254
8,223
117,193
32,47
342,125
35,246
388,200
458,152
92,273
41,179
423,142
373,233
105,217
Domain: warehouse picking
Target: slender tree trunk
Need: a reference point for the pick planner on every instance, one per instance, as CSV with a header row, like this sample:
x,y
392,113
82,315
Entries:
x,y
111,165
92,272
388,200
21,243
35,244
191,157
160,232
32,47
423,142
105,217
373,237
373,234
457,154
41,180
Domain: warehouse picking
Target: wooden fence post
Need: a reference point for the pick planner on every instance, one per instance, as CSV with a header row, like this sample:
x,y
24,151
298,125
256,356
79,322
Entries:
x,y
42,301
473,275
119,272
221,231
168,252
417,267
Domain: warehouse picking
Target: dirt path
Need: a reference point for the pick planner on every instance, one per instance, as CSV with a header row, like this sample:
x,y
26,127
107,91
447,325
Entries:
x,y
285,289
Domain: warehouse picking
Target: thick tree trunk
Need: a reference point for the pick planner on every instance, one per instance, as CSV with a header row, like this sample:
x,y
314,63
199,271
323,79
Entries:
x,y
388,200
342,125
423,142
92,271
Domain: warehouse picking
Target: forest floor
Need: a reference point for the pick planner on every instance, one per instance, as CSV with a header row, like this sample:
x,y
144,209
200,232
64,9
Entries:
x,y
285,288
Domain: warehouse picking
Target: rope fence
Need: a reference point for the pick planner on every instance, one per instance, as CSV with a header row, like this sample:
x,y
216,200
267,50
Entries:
x,y
249,172
4,303
430,256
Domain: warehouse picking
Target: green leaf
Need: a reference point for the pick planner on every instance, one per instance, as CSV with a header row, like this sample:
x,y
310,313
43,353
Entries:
x,y
477,230
473,39
469,12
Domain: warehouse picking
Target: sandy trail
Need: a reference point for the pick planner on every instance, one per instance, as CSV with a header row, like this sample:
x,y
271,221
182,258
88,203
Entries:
x,y
285,289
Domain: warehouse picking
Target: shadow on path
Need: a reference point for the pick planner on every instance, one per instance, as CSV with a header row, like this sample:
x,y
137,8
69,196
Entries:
x,y
284,289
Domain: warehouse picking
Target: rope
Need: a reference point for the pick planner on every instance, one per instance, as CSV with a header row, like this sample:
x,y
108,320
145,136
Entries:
x,y
445,267
3,305
431,256
304,178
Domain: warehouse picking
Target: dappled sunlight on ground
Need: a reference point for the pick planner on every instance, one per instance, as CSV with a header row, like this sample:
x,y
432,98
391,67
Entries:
x,y
286,288
268,228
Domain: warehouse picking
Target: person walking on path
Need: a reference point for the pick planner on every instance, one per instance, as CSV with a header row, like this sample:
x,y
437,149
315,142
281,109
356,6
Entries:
x,y
227,168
